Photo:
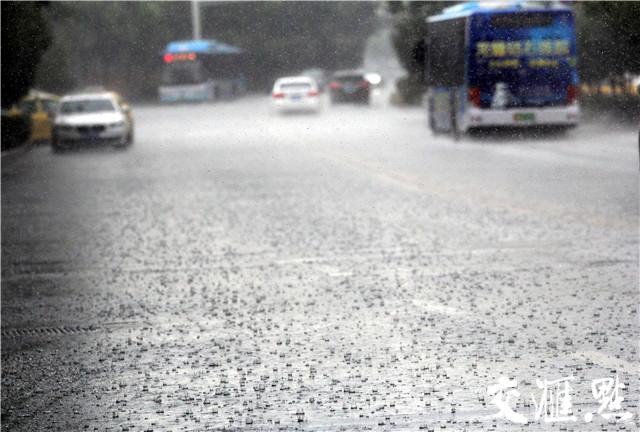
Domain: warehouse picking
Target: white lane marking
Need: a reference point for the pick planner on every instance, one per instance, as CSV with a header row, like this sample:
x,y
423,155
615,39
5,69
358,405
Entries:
x,y
437,308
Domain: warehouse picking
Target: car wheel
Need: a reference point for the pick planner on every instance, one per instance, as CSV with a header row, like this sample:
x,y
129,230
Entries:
x,y
122,143
55,144
126,141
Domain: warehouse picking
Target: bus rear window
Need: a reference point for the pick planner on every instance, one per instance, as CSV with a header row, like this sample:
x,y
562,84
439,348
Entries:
x,y
181,73
521,20
295,86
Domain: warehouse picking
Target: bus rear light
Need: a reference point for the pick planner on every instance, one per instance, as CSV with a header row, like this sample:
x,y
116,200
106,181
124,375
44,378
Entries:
x,y
178,57
474,97
572,94
278,95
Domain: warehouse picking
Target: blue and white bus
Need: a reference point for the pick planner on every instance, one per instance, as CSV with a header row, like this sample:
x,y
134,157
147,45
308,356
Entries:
x,y
497,64
201,70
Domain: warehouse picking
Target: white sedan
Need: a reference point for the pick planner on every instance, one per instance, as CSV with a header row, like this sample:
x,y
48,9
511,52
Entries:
x,y
92,117
299,93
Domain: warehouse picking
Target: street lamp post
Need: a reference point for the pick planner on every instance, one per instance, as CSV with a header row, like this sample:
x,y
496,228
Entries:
x,y
195,19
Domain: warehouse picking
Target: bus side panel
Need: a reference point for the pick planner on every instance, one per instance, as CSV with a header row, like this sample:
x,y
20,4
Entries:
x,y
440,101
227,73
440,109
445,68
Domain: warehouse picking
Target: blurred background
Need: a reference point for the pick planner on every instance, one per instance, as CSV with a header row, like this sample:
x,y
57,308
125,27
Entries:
x,y
225,263
62,46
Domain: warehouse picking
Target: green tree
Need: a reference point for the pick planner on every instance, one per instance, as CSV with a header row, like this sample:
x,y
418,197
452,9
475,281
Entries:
x,y
25,37
608,38
607,34
119,44
285,37
114,44
409,33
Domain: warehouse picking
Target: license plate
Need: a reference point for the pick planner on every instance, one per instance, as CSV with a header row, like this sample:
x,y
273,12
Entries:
x,y
524,117
350,89
296,97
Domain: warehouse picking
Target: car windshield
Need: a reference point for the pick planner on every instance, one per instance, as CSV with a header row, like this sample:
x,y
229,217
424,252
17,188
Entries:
x,y
49,105
87,106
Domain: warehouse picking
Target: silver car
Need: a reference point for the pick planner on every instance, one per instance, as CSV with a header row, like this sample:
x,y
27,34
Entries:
x,y
92,117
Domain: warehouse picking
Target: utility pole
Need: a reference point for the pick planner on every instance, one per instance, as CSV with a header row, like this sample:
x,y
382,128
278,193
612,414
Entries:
x,y
195,19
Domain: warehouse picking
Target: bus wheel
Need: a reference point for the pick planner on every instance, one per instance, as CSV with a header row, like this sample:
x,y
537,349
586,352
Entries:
x,y
455,131
453,125
431,120
453,116
432,125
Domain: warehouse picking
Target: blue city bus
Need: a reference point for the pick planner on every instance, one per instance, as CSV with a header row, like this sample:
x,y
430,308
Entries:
x,y
202,70
501,64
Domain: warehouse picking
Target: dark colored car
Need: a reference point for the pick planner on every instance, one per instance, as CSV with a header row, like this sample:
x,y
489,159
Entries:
x,y
349,86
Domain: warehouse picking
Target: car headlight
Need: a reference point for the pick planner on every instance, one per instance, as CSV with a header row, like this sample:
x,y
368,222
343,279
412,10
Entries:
x,y
116,124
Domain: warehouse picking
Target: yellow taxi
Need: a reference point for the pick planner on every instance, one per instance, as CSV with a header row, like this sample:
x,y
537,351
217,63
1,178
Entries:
x,y
40,107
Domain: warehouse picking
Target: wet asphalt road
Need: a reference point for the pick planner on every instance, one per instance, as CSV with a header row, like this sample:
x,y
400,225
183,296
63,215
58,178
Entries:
x,y
347,271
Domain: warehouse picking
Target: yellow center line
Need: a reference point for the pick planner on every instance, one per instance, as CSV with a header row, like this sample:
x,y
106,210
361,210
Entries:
x,y
477,198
